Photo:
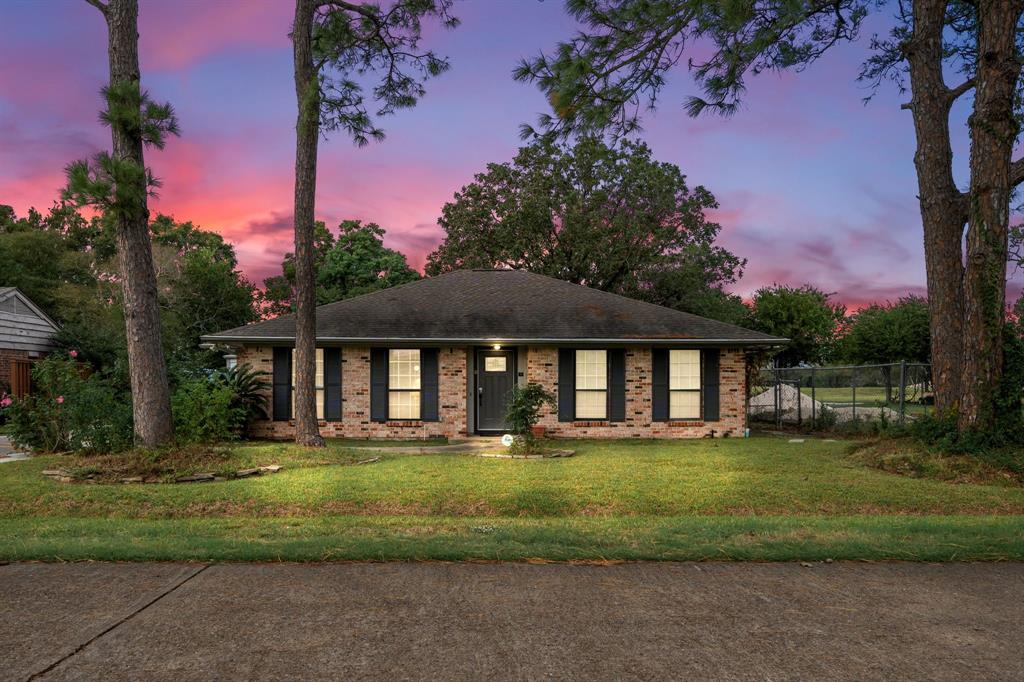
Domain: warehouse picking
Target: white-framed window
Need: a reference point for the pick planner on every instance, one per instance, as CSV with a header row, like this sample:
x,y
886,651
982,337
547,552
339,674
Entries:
x,y
591,384
684,384
319,381
404,383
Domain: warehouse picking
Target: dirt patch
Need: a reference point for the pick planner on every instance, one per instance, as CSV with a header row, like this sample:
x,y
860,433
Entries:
x,y
907,457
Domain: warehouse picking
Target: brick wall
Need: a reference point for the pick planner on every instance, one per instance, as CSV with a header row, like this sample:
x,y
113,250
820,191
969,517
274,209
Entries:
x,y
355,396
542,368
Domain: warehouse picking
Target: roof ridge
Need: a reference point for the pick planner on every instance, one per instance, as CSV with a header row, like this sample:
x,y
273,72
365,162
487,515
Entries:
x,y
637,300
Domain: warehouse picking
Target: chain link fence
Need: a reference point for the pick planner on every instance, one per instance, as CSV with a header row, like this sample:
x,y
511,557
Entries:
x,y
820,397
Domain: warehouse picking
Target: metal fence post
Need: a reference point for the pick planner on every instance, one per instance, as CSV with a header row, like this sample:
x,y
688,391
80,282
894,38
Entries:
x,y
814,405
799,404
853,387
903,391
775,394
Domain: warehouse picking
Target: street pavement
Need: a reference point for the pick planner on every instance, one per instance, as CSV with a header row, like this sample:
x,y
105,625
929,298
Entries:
x,y
744,621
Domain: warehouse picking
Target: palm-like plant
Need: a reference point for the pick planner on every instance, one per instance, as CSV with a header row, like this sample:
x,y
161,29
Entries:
x,y
250,387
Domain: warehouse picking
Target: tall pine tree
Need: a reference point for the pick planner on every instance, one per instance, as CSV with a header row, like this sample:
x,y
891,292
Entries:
x,y
334,43
118,183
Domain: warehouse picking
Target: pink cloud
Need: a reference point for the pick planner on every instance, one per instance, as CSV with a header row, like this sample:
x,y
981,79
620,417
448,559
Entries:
x,y
210,28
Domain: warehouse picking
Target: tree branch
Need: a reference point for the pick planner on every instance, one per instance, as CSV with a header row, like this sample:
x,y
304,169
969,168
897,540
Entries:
x,y
960,89
951,93
1017,172
362,9
98,4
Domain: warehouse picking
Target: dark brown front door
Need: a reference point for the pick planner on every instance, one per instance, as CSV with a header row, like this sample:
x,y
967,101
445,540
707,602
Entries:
x,y
495,377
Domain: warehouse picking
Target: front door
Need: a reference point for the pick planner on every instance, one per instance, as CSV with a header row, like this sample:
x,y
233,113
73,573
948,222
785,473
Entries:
x,y
495,377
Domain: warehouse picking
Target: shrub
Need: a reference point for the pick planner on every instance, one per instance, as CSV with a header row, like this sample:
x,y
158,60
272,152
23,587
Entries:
x,y
825,419
206,410
523,412
70,409
249,388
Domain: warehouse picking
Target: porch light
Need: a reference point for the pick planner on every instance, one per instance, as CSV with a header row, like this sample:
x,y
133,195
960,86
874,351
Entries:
x,y
497,346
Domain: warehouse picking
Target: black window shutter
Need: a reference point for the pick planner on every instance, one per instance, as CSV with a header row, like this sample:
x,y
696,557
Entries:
x,y
659,384
332,384
566,384
428,385
617,385
282,384
379,384
709,378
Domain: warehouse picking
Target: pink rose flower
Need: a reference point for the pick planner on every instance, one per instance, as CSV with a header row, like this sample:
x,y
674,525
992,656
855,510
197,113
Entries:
x,y
6,401
73,353
60,400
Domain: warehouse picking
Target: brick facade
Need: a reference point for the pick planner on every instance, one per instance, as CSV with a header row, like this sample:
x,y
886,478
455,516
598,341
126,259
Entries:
x,y
542,368
355,399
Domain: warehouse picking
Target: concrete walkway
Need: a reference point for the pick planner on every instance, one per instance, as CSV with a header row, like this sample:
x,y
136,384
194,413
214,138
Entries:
x,y
511,621
464,446
8,453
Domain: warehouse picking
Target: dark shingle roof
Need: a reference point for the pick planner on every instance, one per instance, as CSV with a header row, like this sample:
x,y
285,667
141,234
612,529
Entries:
x,y
497,305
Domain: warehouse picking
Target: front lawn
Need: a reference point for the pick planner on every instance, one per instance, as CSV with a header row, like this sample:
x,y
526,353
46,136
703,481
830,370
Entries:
x,y
762,498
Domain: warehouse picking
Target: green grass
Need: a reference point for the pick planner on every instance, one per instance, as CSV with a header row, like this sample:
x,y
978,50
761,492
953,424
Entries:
x,y
352,538
867,396
761,498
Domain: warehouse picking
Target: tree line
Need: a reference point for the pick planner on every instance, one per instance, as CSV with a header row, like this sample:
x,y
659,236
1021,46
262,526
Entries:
x,y
355,62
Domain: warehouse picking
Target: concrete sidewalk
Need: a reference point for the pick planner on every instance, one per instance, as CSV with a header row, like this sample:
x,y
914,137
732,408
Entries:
x,y
8,453
518,621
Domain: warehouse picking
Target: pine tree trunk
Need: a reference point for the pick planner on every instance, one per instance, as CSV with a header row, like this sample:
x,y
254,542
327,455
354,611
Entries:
x,y
151,405
943,210
307,133
993,131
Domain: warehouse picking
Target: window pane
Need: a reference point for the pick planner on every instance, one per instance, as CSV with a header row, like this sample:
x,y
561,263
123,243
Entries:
x,y
684,405
494,364
591,369
591,404
683,369
404,405
404,368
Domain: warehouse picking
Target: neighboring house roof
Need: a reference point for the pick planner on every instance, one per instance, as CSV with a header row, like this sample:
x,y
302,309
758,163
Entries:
x,y
498,305
23,325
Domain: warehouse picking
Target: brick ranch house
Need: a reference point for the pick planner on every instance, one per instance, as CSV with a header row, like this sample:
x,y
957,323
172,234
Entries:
x,y
437,357
26,334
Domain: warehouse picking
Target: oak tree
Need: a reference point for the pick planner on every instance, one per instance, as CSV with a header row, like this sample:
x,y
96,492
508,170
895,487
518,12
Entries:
x,y
608,217
354,263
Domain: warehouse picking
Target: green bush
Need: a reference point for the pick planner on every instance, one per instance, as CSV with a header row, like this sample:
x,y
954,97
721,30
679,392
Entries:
x,y
249,387
523,411
825,419
69,410
206,410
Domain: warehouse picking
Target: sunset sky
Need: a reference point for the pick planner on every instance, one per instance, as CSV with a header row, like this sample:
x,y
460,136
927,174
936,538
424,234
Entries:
x,y
814,185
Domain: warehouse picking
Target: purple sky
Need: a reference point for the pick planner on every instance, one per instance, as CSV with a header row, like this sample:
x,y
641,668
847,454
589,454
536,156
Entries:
x,y
814,186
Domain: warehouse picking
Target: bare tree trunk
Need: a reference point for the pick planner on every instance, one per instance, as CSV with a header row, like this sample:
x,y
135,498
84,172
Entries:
x,y
151,404
943,209
307,133
993,131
